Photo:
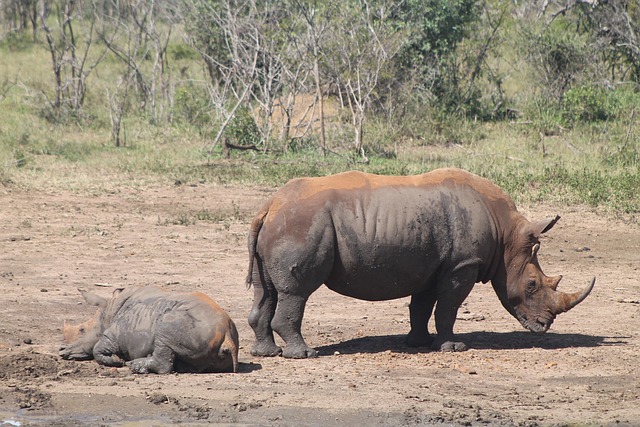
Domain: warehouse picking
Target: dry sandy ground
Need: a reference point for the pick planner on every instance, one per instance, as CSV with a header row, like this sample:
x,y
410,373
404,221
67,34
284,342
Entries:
x,y
585,371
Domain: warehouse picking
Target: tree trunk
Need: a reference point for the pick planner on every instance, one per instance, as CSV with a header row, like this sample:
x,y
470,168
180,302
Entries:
x,y
316,74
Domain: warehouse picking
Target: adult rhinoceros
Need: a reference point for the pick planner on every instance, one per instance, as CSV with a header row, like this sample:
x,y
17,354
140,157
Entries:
x,y
431,236
155,331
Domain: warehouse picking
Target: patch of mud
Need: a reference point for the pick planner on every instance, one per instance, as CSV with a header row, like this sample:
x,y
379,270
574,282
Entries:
x,y
28,366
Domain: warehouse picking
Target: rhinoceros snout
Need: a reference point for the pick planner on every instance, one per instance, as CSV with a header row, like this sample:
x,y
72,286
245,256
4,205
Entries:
x,y
539,325
73,352
543,325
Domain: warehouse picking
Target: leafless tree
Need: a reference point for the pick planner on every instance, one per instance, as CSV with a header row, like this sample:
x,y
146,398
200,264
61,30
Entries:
x,y
69,56
283,71
362,49
269,74
617,25
117,100
134,34
236,63
294,82
317,18
22,14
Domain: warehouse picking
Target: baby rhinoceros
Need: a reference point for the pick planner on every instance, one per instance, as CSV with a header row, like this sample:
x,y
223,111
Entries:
x,y
152,330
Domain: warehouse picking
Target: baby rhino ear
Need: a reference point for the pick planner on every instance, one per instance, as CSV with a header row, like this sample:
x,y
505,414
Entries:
x,y
540,227
93,299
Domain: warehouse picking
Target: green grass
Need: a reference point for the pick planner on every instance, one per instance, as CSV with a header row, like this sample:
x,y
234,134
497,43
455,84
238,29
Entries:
x,y
578,167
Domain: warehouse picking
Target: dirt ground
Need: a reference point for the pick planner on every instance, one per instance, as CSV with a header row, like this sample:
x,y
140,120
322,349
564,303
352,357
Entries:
x,y
585,371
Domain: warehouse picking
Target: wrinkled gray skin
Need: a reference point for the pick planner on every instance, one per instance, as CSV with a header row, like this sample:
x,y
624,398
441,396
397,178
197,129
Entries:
x,y
430,236
155,331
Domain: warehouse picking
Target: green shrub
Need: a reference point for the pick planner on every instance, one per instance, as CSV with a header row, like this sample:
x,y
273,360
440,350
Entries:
x,y
20,158
243,129
181,51
192,105
588,103
558,56
16,41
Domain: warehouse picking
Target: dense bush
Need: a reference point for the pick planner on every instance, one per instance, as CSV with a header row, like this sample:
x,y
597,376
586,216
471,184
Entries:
x,y
557,56
589,103
242,129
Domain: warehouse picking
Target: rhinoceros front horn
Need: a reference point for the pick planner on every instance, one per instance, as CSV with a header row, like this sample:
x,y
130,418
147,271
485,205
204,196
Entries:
x,y
566,302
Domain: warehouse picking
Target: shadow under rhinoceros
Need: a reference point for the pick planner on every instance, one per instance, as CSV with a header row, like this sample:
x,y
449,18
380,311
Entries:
x,y
475,340
247,367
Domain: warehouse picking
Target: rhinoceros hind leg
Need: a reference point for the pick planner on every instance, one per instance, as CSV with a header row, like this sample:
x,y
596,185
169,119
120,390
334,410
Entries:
x,y
420,310
160,362
415,339
267,348
287,322
299,352
265,299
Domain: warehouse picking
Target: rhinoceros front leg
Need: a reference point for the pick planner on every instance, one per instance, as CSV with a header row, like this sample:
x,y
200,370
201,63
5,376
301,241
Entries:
x,y
452,291
420,310
287,322
106,352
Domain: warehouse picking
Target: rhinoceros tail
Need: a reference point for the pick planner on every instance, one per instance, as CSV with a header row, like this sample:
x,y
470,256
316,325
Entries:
x,y
230,345
256,225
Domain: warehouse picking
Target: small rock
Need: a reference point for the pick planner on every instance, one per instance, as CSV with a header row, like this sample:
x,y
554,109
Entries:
x,y
158,398
27,341
470,316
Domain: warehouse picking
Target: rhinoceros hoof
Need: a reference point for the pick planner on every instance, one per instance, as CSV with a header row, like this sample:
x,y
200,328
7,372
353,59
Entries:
x,y
419,340
299,352
139,366
450,346
265,350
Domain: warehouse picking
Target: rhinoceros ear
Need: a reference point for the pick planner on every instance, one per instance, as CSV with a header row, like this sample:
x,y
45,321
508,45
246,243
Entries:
x,y
543,226
93,299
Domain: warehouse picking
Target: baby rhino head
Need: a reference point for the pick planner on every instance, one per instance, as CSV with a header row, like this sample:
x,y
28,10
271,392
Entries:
x,y
80,339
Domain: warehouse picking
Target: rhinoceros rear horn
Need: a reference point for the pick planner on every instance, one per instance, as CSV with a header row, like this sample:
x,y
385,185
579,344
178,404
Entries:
x,y
567,301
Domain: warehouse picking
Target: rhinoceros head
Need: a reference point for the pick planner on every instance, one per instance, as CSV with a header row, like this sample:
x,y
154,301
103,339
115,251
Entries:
x,y
528,294
80,339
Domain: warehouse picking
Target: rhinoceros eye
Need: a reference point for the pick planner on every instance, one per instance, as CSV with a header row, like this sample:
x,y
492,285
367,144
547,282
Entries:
x,y
532,287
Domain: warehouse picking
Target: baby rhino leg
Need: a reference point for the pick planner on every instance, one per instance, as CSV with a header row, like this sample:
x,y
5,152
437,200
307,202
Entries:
x,y
106,352
159,362
171,328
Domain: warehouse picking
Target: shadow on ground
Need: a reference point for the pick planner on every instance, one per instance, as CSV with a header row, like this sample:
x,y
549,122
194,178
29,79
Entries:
x,y
476,340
